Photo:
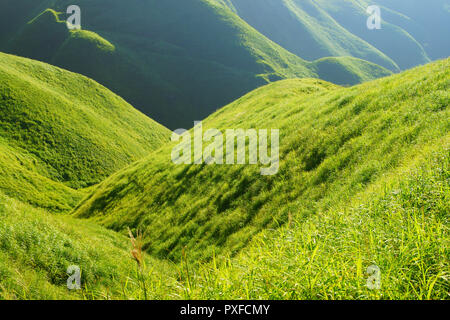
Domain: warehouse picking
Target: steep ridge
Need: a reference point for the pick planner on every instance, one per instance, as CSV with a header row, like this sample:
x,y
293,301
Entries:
x,y
334,143
60,130
176,66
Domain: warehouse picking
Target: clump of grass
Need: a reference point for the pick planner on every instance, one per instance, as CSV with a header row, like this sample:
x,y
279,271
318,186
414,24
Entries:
x,y
138,256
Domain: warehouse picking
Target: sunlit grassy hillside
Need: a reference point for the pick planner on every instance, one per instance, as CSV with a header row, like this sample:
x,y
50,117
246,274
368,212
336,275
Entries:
x,y
399,224
60,130
36,249
363,180
334,143
177,61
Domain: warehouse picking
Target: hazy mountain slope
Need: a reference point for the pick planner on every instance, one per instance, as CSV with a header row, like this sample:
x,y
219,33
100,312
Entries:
x,y
175,65
391,39
57,126
411,33
334,142
356,70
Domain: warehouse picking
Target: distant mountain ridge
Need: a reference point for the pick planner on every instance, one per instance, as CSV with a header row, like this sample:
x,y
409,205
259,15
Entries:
x,y
176,61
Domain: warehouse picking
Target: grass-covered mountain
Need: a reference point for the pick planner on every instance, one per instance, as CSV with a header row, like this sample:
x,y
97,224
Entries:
x,y
334,143
60,131
176,61
413,31
363,180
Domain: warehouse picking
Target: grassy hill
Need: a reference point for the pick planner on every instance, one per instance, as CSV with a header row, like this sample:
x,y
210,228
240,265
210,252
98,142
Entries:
x,y
60,131
334,143
363,180
411,33
147,52
36,248
399,224
423,21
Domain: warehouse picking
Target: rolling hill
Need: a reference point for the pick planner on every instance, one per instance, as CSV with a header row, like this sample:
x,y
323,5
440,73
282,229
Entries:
x,y
60,131
147,52
334,143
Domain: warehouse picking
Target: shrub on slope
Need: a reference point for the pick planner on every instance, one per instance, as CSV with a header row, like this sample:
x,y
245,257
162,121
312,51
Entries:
x,y
334,142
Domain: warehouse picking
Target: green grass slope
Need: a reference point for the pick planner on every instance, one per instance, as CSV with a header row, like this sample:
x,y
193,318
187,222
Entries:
x,y
304,28
36,248
60,130
400,224
23,177
334,142
176,61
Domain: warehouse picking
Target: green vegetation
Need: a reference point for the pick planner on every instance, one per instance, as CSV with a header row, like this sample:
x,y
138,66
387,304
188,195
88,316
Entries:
x,y
334,143
357,70
400,225
87,180
364,180
59,130
176,66
23,177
